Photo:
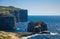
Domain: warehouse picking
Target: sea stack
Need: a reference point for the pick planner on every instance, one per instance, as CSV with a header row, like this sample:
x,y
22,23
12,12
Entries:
x,y
37,26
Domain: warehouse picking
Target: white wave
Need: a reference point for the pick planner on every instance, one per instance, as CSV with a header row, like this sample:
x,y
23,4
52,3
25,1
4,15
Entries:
x,y
54,33
30,36
39,34
18,29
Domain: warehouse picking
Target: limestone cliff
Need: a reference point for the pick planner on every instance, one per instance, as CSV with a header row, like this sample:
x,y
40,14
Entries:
x,y
20,14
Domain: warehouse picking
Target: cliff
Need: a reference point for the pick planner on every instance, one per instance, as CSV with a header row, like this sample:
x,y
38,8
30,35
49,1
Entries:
x,y
4,10
10,15
7,20
20,14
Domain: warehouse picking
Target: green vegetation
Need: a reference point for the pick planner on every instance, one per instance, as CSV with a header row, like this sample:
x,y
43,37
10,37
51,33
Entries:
x,y
4,10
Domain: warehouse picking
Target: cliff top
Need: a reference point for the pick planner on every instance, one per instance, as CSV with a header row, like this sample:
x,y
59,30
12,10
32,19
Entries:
x,y
4,10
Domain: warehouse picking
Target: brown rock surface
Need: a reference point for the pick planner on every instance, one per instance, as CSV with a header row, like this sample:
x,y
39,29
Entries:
x,y
8,35
14,35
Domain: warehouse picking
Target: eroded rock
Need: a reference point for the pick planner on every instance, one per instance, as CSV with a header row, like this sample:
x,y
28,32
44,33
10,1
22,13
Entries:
x,y
8,35
37,26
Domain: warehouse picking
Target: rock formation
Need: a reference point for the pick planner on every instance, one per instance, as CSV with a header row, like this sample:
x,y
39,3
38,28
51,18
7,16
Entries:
x,y
7,21
10,15
20,14
8,35
37,26
14,35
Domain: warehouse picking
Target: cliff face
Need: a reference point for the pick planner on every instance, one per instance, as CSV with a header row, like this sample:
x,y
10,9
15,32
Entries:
x,y
7,20
20,14
7,23
9,15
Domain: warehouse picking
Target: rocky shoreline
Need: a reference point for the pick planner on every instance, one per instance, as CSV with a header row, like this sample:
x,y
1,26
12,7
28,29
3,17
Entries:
x,y
13,35
8,35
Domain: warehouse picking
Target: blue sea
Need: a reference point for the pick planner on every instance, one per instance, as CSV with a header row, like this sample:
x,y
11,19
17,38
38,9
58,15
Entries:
x,y
53,23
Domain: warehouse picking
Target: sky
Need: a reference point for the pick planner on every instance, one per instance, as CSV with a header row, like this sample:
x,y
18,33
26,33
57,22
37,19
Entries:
x,y
35,7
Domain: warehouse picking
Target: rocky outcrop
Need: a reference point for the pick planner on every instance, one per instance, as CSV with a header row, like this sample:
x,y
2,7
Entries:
x,y
10,15
37,26
7,21
21,15
14,35
8,35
